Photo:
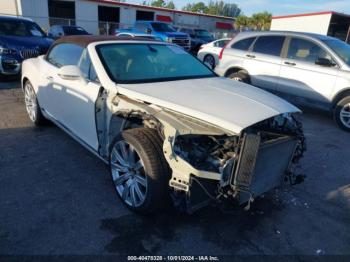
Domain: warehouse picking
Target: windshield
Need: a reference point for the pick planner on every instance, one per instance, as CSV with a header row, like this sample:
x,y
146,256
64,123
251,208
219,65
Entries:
x,y
162,27
142,63
341,48
202,33
74,30
20,28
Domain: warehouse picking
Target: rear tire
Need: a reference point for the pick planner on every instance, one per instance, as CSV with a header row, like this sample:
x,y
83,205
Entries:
x,y
32,105
240,76
141,173
341,113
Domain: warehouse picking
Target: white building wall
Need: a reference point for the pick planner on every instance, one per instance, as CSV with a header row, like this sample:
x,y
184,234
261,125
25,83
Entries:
x,y
9,7
127,16
309,24
186,20
86,15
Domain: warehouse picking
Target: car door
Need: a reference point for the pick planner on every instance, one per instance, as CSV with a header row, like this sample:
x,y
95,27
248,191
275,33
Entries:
x,y
79,102
52,95
301,76
235,54
263,62
72,102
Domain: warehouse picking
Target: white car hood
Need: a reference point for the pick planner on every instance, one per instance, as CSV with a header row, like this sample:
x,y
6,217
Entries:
x,y
225,103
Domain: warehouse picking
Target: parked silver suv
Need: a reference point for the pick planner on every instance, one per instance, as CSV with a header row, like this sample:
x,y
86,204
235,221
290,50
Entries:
x,y
308,68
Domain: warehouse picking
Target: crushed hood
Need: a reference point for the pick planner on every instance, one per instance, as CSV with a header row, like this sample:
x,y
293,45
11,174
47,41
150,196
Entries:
x,y
225,103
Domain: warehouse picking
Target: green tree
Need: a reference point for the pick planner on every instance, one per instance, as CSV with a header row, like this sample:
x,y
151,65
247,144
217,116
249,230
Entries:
x,y
160,3
198,7
170,5
261,21
242,22
214,8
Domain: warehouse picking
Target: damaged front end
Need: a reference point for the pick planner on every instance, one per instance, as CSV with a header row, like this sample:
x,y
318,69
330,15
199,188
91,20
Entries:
x,y
229,168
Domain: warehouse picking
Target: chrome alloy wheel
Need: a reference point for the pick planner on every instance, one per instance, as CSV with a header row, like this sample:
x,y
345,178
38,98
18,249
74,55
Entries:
x,y
128,174
345,115
30,101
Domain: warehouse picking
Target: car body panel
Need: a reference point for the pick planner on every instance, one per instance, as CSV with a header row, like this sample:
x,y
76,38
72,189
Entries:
x,y
226,97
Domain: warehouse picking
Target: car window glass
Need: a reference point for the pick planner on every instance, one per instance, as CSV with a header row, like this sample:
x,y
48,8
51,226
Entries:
x,y
243,44
269,45
307,51
65,54
221,43
20,28
86,67
141,63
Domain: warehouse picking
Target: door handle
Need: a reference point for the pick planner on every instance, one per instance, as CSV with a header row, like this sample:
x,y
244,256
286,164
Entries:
x,y
50,78
251,56
290,63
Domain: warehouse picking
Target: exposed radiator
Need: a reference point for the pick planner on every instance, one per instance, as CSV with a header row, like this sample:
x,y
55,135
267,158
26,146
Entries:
x,y
247,159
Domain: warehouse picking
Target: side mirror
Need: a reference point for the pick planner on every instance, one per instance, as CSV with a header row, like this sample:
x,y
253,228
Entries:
x,y
149,31
70,72
324,62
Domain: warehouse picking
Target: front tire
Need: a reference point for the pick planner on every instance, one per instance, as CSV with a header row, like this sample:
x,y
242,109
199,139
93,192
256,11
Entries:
x,y
342,113
32,105
139,170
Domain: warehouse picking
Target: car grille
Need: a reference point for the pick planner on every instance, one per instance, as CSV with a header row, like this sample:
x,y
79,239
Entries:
x,y
29,53
184,42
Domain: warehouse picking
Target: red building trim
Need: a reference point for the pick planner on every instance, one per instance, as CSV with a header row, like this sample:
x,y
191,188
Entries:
x,y
110,2
164,18
308,14
221,25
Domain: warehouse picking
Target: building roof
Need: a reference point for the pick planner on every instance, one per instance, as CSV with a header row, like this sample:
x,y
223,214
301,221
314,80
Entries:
x,y
85,40
311,14
111,2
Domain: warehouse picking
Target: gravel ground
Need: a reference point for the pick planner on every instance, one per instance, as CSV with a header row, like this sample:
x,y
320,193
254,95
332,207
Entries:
x,y
57,198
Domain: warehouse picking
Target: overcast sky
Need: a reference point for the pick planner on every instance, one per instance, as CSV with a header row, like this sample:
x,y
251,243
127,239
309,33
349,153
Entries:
x,y
279,7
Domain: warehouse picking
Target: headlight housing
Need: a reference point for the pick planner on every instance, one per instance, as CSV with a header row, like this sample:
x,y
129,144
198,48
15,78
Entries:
x,y
7,51
168,39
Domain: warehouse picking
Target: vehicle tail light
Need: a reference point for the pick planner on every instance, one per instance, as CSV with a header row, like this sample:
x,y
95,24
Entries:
x,y
221,52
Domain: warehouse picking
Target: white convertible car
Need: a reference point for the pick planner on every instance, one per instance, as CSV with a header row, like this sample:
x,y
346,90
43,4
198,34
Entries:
x,y
164,122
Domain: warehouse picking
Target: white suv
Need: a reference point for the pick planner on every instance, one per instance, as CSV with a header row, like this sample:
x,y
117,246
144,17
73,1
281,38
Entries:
x,y
308,68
